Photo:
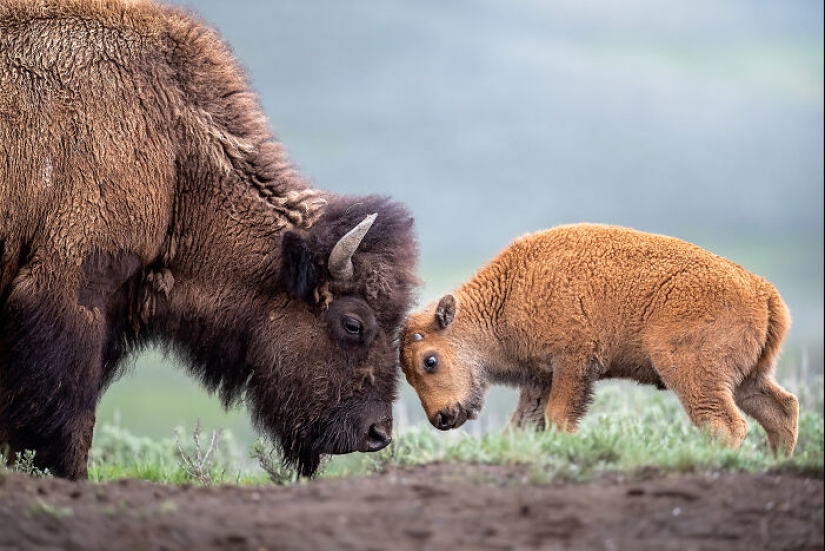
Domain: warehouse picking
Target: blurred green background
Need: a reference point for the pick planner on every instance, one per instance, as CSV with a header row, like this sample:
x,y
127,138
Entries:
x,y
698,119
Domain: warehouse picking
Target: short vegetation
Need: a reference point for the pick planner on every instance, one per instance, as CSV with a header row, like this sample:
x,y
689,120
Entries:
x,y
628,429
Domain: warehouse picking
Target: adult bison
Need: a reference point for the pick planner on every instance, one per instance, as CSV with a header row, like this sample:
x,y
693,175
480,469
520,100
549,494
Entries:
x,y
143,199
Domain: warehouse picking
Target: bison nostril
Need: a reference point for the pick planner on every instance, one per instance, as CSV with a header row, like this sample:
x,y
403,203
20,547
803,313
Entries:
x,y
378,437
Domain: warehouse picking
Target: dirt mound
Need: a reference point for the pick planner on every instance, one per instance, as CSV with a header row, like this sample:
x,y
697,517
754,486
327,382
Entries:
x,y
437,506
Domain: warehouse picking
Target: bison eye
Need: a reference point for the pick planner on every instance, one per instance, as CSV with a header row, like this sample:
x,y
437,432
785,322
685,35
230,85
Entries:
x,y
352,326
430,363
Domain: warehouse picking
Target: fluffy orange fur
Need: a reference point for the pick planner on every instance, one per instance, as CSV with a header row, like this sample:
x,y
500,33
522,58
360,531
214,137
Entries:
x,y
559,309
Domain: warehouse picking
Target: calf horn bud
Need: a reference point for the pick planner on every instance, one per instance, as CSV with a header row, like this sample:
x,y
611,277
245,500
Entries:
x,y
340,259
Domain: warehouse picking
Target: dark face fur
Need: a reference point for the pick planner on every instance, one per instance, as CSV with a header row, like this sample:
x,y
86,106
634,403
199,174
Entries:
x,y
327,380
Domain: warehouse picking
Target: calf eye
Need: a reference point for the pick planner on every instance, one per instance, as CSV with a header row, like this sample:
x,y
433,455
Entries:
x,y
430,363
352,326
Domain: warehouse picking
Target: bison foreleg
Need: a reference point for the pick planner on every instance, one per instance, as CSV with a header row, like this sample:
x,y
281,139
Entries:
x,y
50,354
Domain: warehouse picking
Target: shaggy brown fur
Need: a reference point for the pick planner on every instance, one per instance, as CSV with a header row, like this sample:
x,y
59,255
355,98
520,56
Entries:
x,y
144,199
562,308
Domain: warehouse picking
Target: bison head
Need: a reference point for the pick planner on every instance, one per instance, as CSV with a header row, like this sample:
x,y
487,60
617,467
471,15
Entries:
x,y
324,368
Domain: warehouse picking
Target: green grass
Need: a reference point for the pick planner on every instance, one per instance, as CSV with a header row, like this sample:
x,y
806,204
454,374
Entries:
x,y
628,428
117,453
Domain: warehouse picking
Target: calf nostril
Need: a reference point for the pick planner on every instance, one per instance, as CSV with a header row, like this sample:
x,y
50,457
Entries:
x,y
441,421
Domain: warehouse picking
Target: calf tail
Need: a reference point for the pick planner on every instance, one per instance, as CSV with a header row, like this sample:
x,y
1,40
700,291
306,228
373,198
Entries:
x,y
779,322
776,409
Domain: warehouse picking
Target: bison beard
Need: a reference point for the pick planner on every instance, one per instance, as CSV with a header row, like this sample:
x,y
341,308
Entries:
x,y
147,202
338,433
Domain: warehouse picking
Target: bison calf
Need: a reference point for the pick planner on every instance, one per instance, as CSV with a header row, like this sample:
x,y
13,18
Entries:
x,y
559,309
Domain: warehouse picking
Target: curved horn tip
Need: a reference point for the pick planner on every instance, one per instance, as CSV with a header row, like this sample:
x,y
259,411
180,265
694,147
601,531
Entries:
x,y
340,259
364,225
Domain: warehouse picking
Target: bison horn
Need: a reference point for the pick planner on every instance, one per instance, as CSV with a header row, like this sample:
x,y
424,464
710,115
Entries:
x,y
340,259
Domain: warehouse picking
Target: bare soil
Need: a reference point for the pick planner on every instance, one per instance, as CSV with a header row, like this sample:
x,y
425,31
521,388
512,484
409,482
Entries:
x,y
437,506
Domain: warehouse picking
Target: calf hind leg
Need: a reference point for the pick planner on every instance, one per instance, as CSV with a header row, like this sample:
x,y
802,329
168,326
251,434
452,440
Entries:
x,y
773,408
707,399
714,409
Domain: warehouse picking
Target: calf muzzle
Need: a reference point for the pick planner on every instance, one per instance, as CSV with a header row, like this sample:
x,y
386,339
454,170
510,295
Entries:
x,y
450,417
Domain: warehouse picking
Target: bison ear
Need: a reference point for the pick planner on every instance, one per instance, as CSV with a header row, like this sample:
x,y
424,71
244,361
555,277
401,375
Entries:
x,y
299,273
445,312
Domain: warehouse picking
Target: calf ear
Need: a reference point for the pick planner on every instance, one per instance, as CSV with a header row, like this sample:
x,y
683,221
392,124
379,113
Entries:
x,y
299,274
445,312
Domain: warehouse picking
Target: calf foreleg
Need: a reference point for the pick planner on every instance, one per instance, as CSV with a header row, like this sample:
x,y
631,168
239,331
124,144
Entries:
x,y
571,392
530,411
